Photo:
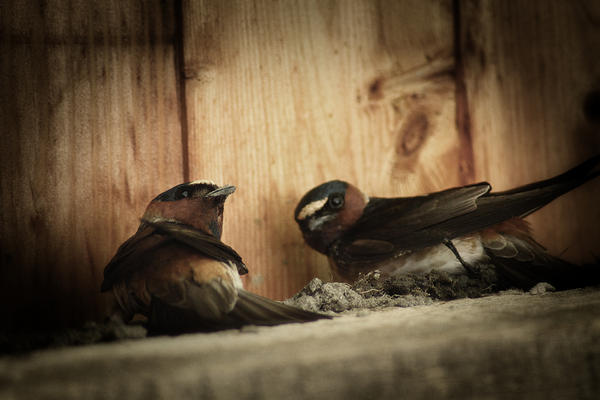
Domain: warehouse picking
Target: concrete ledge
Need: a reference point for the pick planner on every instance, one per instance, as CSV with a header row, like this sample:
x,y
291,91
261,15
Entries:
x,y
544,346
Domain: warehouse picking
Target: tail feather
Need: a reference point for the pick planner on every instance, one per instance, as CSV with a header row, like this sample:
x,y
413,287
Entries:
x,y
250,309
168,319
529,263
577,175
257,310
527,199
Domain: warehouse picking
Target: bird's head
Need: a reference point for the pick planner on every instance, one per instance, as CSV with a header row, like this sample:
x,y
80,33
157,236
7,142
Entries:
x,y
327,211
198,204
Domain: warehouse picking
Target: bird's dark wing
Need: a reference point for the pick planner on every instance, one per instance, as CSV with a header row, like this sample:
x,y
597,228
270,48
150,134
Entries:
x,y
130,255
389,226
522,262
213,310
203,242
192,301
188,291
392,226
257,310
152,235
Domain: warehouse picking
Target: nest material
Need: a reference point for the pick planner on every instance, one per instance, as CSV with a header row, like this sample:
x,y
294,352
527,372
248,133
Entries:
x,y
375,290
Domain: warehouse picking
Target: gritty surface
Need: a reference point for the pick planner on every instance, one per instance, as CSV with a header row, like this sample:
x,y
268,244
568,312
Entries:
x,y
375,290
23,342
372,291
500,346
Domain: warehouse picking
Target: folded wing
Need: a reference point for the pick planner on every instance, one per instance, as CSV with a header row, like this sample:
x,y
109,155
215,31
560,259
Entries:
x,y
153,235
397,225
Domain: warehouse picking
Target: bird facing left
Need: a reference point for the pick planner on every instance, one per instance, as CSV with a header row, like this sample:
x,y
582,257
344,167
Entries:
x,y
176,271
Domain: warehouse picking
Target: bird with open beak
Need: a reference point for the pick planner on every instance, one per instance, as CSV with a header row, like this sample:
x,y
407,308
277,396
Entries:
x,y
176,271
453,230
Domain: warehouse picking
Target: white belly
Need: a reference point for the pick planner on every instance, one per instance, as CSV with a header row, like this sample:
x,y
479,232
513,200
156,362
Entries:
x,y
438,257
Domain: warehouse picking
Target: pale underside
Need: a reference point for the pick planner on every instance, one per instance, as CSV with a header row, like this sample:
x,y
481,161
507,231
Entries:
x,y
438,257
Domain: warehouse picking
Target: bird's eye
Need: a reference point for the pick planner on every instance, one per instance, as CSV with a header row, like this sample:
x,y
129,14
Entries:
x,y
336,201
182,194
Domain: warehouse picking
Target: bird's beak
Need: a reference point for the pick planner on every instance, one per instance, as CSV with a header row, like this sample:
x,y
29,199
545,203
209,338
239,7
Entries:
x,y
222,191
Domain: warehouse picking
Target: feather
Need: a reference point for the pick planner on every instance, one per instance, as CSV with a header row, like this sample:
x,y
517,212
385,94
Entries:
x,y
249,309
257,310
418,222
213,299
206,243
508,250
531,264
131,255
151,235
369,246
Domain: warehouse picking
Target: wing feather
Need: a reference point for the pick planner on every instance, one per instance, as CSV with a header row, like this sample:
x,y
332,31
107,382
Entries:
x,y
391,226
408,224
154,234
201,241
130,255
257,310
249,309
530,264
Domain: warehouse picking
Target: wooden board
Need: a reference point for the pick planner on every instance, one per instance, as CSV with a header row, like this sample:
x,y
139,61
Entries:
x,y
399,98
90,133
529,69
283,96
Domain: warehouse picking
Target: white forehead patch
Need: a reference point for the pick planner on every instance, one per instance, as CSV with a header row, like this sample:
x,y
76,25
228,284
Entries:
x,y
203,182
157,219
311,208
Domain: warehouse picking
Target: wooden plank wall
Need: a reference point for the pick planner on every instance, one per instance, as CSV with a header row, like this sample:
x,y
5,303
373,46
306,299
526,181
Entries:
x,y
90,132
283,96
531,71
105,106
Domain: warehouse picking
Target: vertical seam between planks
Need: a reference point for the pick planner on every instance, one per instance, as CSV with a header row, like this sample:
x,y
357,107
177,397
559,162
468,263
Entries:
x,y
178,52
466,173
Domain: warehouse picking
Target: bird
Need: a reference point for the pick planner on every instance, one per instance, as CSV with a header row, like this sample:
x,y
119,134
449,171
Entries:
x,y
177,272
456,231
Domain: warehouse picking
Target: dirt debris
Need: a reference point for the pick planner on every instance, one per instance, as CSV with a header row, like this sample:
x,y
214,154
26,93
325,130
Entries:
x,y
90,333
373,290
376,290
336,297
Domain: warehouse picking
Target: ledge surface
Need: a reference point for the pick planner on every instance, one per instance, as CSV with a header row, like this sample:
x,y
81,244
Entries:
x,y
504,346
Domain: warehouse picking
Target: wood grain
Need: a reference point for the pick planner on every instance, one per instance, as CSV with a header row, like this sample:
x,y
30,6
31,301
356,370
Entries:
x,y
529,67
282,96
91,132
104,106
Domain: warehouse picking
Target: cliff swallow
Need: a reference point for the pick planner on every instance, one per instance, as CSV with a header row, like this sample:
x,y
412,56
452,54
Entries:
x,y
176,271
452,230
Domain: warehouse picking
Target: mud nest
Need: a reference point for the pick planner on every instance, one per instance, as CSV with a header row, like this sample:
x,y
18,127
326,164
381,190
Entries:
x,y
375,290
